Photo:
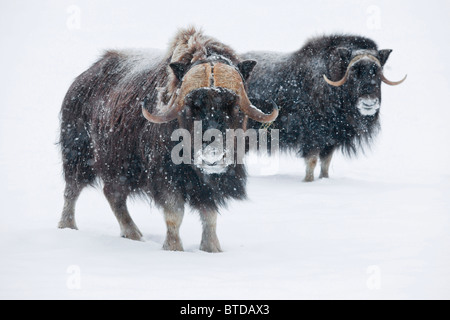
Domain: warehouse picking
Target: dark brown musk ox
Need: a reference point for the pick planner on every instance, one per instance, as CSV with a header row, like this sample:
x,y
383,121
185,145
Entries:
x,y
118,118
319,115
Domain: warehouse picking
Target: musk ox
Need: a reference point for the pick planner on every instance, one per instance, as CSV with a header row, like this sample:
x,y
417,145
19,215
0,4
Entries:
x,y
116,125
319,115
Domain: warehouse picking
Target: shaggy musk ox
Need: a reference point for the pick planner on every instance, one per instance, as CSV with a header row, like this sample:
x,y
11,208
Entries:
x,y
116,125
329,94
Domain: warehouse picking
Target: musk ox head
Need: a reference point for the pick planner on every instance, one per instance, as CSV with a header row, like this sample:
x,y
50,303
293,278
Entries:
x,y
207,84
360,73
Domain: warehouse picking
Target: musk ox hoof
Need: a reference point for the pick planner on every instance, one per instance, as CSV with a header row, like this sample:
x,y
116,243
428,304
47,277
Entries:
x,y
67,224
132,234
174,245
324,174
211,247
308,179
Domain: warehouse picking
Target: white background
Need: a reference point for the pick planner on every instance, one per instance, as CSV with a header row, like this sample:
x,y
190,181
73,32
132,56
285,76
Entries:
x,y
379,228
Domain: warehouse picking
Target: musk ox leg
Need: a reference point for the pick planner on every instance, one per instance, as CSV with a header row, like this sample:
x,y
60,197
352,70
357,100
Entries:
x,y
210,242
325,160
117,199
71,194
311,162
174,218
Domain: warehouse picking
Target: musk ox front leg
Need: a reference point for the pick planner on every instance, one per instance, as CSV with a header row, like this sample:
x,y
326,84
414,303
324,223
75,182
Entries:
x,y
174,217
210,241
311,162
325,159
71,194
117,198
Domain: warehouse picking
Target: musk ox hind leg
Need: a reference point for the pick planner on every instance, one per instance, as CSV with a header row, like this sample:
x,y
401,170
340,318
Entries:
x,y
173,214
77,159
325,159
210,241
71,194
117,198
311,162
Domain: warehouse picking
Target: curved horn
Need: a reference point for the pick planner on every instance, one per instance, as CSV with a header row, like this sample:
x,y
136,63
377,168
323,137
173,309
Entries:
x,y
197,77
229,78
254,113
392,83
350,65
168,116
337,83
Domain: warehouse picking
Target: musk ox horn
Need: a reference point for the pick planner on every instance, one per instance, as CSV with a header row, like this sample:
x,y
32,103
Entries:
x,y
203,76
337,83
229,78
392,83
197,77
255,114
350,65
171,114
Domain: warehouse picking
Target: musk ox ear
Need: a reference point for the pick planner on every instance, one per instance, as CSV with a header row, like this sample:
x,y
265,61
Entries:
x,y
179,69
384,55
246,67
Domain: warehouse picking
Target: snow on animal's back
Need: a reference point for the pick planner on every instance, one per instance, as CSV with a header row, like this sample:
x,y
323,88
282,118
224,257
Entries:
x,y
137,61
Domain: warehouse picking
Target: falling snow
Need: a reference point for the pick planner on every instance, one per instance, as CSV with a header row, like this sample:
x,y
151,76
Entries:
x,y
378,228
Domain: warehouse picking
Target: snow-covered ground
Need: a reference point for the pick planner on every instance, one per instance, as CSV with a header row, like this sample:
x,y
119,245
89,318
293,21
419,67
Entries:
x,y
379,228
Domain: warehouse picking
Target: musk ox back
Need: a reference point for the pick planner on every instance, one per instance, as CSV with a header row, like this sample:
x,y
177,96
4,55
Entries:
x,y
118,118
319,115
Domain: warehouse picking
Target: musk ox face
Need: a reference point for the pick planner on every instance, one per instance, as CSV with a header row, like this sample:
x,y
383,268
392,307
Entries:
x,y
208,114
361,74
365,83
211,99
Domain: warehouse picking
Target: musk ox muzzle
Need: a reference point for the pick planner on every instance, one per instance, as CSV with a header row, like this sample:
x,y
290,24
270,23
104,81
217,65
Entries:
x,y
210,76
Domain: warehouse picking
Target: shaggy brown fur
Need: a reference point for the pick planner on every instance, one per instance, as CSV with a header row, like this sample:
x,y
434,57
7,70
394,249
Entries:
x,y
188,47
105,136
